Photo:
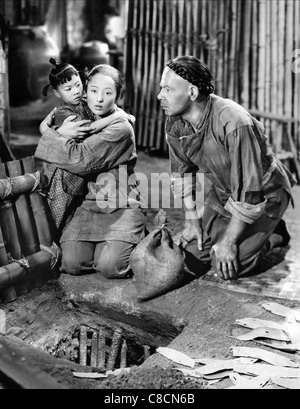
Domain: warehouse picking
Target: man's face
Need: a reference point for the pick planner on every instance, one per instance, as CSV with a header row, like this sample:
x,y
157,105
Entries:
x,y
174,96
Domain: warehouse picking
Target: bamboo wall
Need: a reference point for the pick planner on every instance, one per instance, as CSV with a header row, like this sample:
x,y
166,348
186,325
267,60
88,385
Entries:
x,y
248,44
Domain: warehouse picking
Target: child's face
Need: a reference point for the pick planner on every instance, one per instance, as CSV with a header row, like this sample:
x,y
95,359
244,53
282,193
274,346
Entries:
x,y
101,94
71,91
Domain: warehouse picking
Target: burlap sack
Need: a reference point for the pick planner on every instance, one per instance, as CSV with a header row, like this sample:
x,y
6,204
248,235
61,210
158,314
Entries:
x,y
157,264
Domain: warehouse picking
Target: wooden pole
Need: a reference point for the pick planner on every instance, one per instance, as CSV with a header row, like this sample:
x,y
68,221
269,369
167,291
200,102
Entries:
x,y
245,58
146,79
40,209
254,54
16,272
153,78
261,55
196,28
4,92
274,72
29,237
232,55
219,83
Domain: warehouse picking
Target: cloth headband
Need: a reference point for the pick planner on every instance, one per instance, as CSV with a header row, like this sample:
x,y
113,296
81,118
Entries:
x,y
206,87
60,72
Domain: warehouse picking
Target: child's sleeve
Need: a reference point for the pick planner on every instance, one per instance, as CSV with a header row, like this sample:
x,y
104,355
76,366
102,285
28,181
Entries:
x,y
60,115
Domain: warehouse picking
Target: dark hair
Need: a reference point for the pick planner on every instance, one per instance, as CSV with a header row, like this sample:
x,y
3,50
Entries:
x,y
112,72
195,71
60,74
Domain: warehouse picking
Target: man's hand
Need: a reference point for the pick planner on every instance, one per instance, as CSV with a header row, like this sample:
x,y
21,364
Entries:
x,y
75,129
226,254
47,122
192,231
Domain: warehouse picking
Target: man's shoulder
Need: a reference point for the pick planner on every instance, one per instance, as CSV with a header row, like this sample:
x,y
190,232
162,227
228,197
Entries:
x,y
230,112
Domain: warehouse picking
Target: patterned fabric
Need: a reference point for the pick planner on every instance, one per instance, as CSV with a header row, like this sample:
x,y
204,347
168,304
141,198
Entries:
x,y
63,188
64,111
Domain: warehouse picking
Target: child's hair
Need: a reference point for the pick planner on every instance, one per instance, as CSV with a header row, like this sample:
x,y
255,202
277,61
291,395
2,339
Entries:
x,y
112,72
60,74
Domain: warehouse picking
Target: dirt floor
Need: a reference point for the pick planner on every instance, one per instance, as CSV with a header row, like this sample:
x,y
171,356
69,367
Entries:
x,y
198,318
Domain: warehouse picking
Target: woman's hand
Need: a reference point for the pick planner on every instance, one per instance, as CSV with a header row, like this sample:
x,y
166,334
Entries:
x,y
192,231
47,122
75,129
226,253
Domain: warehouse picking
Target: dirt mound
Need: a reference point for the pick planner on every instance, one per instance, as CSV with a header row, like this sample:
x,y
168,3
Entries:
x,y
154,378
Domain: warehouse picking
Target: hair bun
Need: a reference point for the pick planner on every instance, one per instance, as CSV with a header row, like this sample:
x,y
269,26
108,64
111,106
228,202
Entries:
x,y
52,61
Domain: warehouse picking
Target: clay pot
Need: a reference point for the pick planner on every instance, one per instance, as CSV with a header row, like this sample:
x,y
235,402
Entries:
x,y
30,49
90,54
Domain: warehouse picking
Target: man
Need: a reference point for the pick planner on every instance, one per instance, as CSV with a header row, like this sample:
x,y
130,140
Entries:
x,y
250,188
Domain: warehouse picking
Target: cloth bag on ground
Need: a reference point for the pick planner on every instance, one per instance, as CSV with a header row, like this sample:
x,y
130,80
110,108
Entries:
x,y
157,264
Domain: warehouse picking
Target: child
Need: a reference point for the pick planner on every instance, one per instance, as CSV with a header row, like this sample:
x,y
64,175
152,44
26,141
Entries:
x,y
64,189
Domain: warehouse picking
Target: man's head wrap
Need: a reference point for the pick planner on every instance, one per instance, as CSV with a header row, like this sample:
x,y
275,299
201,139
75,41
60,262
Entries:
x,y
194,71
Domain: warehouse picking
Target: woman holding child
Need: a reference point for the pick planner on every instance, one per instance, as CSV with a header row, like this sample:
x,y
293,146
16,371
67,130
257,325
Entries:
x,y
111,219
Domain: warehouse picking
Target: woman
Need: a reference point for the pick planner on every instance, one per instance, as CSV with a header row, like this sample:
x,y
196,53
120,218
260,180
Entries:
x,y
111,220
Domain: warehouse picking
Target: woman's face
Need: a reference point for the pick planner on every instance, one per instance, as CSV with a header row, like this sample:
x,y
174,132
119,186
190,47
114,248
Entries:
x,y
101,94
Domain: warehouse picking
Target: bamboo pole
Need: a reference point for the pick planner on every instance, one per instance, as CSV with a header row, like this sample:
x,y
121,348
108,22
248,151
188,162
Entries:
x,y
45,226
18,185
254,55
175,31
274,72
281,45
195,17
164,21
239,47
288,91
189,29
41,211
219,83
8,224
261,54
146,79
180,12
296,91
9,293
288,53
225,76
29,242
280,69
153,81
232,54
16,272
137,71
212,33
245,49
268,66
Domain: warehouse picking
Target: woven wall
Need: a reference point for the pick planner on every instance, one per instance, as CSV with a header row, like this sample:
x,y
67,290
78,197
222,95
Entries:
x,y
248,44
